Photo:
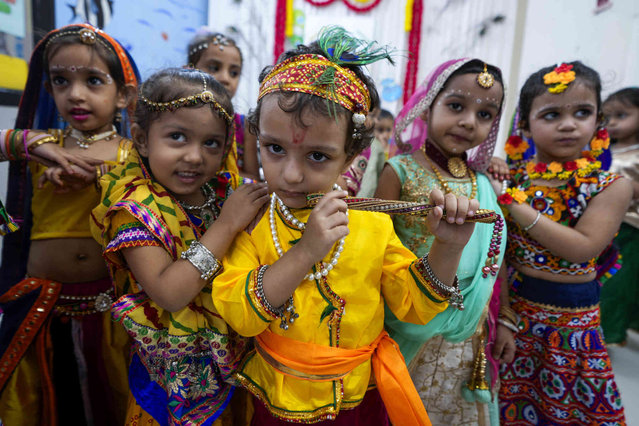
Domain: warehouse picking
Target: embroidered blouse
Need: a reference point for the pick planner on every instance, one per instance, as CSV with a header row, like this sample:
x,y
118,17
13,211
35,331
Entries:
x,y
563,204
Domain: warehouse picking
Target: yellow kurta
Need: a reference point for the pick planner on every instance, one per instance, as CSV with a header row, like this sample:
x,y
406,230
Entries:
x,y
348,312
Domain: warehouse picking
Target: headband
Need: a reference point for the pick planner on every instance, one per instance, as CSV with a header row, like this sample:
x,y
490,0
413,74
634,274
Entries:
x,y
204,97
90,35
319,76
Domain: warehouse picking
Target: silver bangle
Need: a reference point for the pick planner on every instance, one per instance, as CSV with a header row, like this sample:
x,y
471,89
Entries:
x,y
512,327
455,298
203,260
529,227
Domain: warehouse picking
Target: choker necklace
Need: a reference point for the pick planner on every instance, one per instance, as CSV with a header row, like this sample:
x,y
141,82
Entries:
x,y
292,220
456,165
208,211
444,184
85,142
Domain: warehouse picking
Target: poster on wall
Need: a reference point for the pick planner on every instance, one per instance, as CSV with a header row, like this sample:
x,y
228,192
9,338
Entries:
x,y
156,33
13,45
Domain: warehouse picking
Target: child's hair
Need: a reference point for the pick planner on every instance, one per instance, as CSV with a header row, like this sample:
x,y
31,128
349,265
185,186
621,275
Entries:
x,y
75,35
535,86
201,42
299,103
172,84
384,114
628,96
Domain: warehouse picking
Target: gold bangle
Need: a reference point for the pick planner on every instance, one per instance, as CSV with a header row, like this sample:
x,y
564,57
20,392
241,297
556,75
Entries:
x,y
46,139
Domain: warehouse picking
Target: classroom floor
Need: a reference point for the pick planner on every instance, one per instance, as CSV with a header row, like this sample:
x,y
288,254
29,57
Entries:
x,y
625,365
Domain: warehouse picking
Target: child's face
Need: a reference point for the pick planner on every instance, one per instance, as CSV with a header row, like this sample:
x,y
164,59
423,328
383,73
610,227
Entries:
x,y
462,114
623,120
383,129
225,65
562,124
296,160
185,149
84,92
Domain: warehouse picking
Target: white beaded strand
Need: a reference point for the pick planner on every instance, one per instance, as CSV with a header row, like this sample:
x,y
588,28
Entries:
x,y
327,267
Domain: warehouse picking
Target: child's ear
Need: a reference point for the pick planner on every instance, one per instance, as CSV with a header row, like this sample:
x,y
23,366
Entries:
x,y
126,95
140,140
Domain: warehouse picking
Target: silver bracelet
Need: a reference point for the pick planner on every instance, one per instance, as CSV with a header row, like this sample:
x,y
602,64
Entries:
x,y
287,307
203,260
456,299
512,327
529,227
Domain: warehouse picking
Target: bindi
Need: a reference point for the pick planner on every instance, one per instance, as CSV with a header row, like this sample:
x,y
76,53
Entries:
x,y
297,135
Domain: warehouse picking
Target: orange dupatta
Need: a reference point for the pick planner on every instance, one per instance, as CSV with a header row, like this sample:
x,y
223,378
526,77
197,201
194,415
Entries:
x,y
323,363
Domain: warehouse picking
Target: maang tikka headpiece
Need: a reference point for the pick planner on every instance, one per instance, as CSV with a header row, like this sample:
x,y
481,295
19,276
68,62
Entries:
x,y
324,76
204,97
219,40
485,79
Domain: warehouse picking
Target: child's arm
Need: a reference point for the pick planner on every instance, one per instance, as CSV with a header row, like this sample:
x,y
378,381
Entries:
x,y
389,186
504,348
173,284
592,233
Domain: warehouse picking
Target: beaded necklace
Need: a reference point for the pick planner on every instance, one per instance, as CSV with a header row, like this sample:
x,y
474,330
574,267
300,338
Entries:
x,y
208,211
85,142
276,203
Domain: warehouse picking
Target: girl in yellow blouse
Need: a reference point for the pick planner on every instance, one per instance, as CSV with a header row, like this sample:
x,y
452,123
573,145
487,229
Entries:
x,y
311,284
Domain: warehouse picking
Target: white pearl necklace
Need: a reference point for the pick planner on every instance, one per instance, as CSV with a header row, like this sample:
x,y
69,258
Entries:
x,y
327,267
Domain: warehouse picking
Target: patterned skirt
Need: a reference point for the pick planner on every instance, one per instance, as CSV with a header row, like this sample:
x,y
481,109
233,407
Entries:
x,y
561,373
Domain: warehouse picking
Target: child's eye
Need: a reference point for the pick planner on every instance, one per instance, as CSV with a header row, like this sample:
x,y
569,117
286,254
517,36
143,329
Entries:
x,y
58,81
485,115
550,116
455,106
177,136
318,157
212,143
583,113
275,149
213,68
95,81
235,74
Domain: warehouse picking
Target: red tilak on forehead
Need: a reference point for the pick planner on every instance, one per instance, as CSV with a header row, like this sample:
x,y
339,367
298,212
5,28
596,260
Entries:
x,y
297,134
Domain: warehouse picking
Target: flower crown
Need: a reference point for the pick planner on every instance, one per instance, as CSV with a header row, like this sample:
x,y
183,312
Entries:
x,y
204,97
559,78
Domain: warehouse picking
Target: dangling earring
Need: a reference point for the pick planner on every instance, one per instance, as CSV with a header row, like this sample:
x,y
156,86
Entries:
x,y
117,117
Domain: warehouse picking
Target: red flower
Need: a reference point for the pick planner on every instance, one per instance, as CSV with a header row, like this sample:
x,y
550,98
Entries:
x,y
570,166
541,167
563,68
505,199
602,134
515,141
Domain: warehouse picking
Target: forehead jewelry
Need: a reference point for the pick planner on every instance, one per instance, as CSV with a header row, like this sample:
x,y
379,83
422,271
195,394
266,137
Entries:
x,y
485,79
80,68
204,97
219,40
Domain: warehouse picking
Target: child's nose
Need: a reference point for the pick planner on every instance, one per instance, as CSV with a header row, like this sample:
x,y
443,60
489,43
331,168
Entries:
x,y
293,172
77,91
193,154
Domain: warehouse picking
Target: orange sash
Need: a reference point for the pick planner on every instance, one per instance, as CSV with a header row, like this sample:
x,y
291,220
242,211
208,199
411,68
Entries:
x,y
314,362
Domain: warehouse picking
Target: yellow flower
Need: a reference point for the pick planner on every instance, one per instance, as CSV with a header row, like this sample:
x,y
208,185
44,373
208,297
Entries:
x,y
530,168
551,78
518,195
597,144
581,162
566,77
558,88
555,167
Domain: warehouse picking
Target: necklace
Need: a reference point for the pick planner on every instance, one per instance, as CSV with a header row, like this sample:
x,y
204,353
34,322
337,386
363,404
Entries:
x,y
455,165
85,142
292,220
555,170
208,211
444,184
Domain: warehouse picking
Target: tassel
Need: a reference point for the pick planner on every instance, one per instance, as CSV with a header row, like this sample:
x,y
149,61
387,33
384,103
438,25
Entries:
x,y
477,388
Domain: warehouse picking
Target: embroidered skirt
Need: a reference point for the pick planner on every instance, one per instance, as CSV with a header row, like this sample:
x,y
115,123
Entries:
x,y
561,373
